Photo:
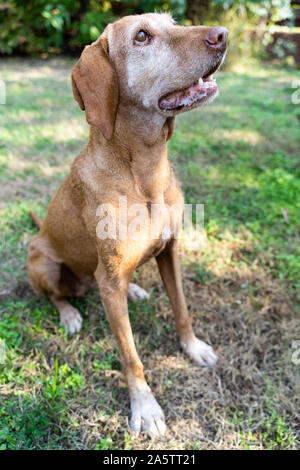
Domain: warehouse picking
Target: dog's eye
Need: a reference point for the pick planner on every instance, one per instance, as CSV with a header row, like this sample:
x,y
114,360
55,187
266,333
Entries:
x,y
141,37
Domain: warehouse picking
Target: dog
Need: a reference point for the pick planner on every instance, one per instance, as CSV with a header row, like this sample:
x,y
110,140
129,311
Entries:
x,y
131,82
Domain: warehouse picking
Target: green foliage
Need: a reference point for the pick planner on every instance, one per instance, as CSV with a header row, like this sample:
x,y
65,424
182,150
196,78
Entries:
x,y
9,331
63,379
248,22
23,422
38,26
45,26
105,444
255,11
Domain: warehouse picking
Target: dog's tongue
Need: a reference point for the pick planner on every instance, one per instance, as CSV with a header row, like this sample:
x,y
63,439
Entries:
x,y
188,96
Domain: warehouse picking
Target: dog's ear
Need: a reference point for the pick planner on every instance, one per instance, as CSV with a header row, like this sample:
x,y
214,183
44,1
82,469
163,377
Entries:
x,y
95,87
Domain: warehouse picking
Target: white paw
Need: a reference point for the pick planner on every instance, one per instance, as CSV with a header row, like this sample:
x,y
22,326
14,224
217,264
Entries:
x,y
135,292
200,352
146,415
71,319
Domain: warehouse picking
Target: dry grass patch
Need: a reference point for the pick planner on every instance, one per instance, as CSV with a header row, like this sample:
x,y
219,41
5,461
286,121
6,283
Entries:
x,y
241,284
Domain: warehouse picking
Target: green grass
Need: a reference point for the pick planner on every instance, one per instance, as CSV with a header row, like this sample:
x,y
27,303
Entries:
x,y
240,158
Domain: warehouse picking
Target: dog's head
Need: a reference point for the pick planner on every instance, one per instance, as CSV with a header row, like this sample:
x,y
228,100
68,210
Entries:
x,y
150,62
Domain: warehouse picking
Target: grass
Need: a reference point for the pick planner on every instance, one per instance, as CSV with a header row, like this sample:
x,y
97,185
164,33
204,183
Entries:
x,y
239,157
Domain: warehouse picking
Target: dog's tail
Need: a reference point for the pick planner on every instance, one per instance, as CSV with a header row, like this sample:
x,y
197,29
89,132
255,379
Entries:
x,y
35,219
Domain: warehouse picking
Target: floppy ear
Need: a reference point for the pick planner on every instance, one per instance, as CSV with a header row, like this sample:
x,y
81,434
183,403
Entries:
x,y
95,87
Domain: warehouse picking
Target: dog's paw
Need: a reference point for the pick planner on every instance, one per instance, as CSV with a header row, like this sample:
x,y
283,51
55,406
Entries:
x,y
200,352
135,292
147,415
71,319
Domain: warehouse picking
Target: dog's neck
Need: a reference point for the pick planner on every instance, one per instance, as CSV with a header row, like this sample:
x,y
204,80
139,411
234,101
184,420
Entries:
x,y
141,140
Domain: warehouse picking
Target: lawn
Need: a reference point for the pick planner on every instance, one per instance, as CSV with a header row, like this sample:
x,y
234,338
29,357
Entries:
x,y
240,158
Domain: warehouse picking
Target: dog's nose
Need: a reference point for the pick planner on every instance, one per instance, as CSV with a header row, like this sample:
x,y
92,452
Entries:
x,y
216,38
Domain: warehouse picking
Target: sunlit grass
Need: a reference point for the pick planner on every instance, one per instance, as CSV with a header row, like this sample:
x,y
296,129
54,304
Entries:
x,y
240,158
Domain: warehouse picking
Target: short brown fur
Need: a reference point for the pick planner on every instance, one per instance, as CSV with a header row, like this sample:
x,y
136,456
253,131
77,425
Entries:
x,y
126,156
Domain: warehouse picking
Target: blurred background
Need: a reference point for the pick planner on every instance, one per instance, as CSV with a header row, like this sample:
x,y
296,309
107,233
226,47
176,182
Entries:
x,y
263,28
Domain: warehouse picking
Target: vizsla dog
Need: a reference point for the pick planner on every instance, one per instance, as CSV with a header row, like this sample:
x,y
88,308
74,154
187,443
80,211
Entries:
x,y
132,82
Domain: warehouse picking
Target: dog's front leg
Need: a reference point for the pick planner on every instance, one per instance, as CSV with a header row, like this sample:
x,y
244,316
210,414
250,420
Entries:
x,y
169,267
146,414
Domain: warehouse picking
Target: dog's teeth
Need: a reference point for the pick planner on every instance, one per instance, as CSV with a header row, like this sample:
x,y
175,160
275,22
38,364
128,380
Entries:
x,y
200,81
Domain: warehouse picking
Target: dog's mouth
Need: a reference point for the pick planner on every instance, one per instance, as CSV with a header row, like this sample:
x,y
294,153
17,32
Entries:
x,y
190,97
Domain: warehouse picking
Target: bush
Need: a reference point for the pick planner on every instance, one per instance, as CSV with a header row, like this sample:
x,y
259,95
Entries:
x,y
45,26
37,26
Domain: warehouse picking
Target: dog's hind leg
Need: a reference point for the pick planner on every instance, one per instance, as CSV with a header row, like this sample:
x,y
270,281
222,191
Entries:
x,y
70,318
52,278
136,292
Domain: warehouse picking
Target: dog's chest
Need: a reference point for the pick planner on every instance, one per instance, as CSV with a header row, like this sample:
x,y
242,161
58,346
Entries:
x,y
135,227
163,225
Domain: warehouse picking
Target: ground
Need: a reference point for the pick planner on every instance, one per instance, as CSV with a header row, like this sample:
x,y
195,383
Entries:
x,y
240,158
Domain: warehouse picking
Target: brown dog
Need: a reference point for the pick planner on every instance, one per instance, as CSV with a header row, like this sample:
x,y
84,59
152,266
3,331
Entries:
x,y
131,82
